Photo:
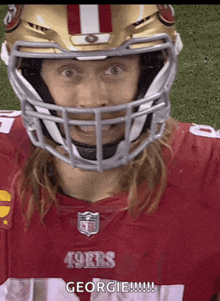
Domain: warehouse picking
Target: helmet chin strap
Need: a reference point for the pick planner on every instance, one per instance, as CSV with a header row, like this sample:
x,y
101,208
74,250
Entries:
x,y
89,152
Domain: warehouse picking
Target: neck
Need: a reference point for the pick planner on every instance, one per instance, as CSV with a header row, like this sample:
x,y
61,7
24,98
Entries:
x,y
90,186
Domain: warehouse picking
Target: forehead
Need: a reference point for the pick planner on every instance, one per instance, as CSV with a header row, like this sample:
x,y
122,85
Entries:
x,y
112,60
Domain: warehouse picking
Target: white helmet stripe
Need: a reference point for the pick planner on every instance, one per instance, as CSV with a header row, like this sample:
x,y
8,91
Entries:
x,y
89,19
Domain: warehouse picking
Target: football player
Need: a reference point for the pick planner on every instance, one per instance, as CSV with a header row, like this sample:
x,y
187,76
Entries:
x,y
103,195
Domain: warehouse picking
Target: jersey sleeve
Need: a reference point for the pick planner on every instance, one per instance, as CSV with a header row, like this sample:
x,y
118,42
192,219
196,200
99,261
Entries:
x,y
3,256
194,179
12,132
197,150
13,147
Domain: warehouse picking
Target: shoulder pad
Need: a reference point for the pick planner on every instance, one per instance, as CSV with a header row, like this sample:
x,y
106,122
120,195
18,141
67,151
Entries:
x,y
7,119
13,135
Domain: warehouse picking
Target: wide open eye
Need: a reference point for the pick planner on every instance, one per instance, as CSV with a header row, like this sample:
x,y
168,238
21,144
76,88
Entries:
x,y
114,71
69,73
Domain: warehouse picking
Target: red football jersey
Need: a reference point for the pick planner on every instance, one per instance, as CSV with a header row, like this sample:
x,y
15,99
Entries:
x,y
95,251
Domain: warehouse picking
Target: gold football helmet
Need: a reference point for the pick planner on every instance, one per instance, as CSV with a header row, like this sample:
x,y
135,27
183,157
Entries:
x,y
92,32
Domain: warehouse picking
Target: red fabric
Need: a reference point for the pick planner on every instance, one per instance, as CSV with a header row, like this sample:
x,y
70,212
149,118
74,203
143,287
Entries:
x,y
177,245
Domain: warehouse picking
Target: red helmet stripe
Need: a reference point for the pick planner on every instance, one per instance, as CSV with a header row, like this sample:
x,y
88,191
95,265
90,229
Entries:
x,y
73,17
105,18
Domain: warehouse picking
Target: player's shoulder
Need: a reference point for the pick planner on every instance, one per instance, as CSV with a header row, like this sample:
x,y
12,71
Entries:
x,y
13,135
195,162
197,141
14,148
195,165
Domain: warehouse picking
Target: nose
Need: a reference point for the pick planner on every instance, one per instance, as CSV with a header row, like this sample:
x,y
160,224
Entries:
x,y
91,93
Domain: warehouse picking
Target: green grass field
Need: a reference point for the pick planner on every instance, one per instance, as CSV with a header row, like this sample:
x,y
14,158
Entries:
x,y
195,95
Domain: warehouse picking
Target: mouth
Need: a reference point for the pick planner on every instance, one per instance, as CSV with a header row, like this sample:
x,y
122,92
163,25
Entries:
x,y
88,134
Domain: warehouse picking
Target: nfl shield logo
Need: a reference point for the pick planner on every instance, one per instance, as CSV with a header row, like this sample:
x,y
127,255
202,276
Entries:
x,y
88,223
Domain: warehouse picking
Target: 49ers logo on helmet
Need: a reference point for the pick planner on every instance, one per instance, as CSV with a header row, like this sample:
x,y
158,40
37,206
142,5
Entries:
x,y
11,19
166,14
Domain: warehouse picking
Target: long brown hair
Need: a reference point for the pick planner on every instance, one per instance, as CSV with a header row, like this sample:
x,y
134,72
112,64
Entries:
x,y
39,182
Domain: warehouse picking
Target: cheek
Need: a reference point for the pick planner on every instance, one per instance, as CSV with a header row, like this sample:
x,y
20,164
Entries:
x,y
124,92
59,94
57,90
